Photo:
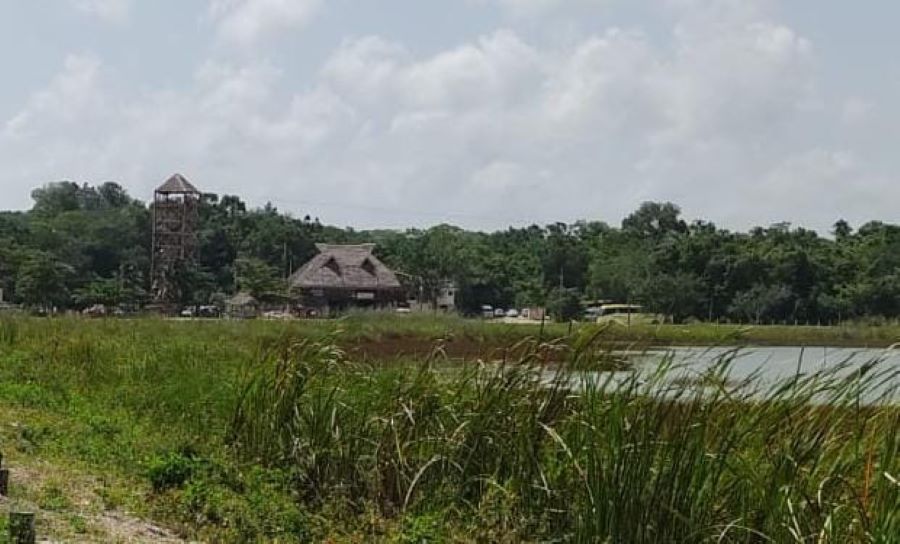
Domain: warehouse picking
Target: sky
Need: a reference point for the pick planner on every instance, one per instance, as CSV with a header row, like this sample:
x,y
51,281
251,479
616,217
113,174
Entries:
x,y
480,113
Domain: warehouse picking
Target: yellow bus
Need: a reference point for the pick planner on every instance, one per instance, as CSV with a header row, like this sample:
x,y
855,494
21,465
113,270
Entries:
x,y
628,314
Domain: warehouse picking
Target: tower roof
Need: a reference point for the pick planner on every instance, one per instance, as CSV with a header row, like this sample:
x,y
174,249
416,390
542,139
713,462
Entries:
x,y
177,184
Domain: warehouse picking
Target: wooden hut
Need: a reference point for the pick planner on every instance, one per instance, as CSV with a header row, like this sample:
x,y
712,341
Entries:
x,y
344,277
242,306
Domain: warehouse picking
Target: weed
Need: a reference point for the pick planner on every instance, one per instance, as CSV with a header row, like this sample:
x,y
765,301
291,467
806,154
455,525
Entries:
x,y
78,524
286,432
171,470
53,497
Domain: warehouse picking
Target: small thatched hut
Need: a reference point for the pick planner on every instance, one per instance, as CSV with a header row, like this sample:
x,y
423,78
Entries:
x,y
242,306
343,277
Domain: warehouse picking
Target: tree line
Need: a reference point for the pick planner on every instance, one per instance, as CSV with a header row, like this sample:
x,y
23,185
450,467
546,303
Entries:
x,y
82,245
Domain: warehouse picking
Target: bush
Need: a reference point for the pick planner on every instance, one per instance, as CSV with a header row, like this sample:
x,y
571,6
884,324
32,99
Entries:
x,y
171,470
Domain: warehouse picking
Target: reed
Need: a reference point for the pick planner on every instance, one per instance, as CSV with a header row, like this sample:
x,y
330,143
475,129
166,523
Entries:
x,y
271,431
643,459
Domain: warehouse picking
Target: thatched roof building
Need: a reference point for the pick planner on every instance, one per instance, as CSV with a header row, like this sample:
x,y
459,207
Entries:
x,y
177,184
242,299
344,276
242,306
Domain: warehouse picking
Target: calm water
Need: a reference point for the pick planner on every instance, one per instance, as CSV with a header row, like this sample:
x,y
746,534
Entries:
x,y
774,363
767,366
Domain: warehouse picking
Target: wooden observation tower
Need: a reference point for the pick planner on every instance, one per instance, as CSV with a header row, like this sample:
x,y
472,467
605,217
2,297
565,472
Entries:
x,y
176,215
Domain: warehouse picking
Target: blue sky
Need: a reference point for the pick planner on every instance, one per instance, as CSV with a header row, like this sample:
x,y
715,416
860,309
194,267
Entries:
x,y
483,113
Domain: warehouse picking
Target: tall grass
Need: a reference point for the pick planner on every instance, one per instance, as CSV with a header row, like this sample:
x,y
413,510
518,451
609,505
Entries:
x,y
639,460
256,431
9,332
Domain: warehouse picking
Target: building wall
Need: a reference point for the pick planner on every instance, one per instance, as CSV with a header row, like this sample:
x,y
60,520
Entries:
x,y
334,301
445,301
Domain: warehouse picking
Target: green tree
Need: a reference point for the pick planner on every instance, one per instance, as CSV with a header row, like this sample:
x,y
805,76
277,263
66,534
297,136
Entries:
x,y
621,271
655,220
680,295
842,231
56,198
565,262
258,278
760,302
564,304
106,291
42,282
194,284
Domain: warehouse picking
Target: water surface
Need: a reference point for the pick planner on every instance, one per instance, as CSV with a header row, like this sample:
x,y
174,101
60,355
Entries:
x,y
765,367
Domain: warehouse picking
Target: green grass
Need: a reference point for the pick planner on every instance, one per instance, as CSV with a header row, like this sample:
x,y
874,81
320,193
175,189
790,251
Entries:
x,y
388,326
262,431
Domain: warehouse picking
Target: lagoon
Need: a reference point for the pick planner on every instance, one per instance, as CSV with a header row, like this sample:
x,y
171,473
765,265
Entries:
x,y
755,370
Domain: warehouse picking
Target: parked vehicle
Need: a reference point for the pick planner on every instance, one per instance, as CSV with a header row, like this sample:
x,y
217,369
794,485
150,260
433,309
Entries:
x,y
628,314
97,310
209,312
512,313
593,309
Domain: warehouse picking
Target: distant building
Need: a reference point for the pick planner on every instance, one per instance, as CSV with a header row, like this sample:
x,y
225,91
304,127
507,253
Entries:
x,y
176,217
442,300
344,277
446,298
242,306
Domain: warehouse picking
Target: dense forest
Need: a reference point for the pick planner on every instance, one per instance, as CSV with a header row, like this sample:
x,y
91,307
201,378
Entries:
x,y
81,245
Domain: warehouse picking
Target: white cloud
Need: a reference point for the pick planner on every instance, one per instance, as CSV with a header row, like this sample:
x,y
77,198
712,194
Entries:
x,y
856,111
835,180
828,168
533,8
493,131
70,97
111,11
245,22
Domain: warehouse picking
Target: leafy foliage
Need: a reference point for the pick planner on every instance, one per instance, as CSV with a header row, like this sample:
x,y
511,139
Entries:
x,y
81,245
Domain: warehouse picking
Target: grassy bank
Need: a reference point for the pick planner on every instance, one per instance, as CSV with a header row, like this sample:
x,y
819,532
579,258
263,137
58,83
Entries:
x,y
385,327
272,432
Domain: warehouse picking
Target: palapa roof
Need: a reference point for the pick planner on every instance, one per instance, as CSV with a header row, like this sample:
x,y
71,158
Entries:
x,y
242,299
345,267
177,184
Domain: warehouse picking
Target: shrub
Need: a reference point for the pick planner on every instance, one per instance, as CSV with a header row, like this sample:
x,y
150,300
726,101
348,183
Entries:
x,y
171,470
